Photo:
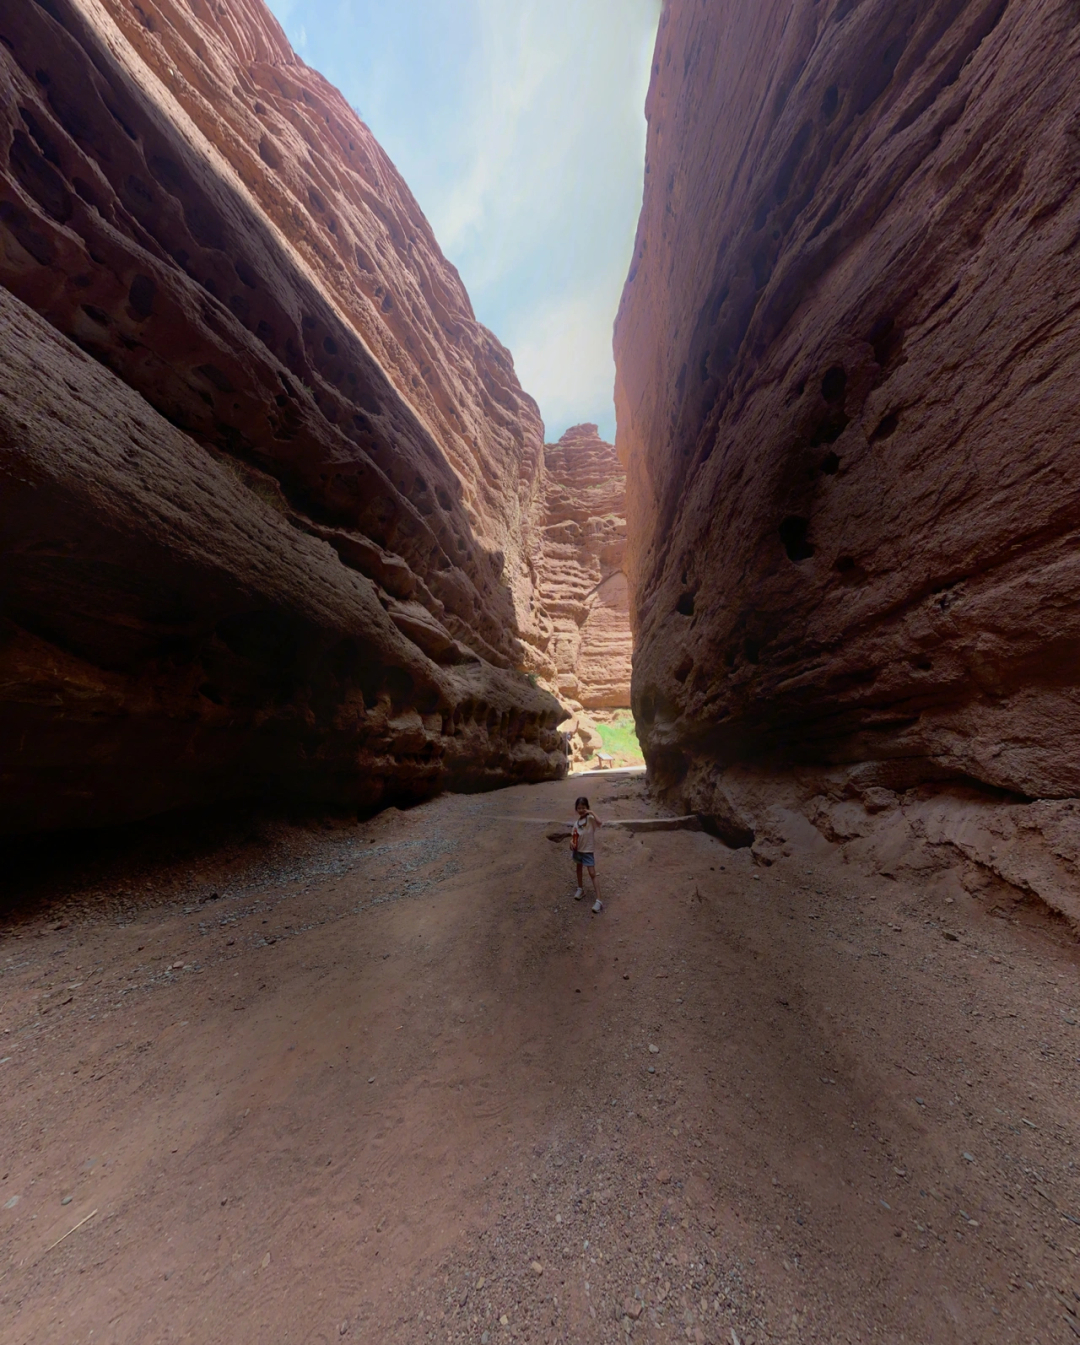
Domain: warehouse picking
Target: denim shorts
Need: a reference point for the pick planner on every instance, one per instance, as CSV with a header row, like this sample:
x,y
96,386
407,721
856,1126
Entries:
x,y
585,858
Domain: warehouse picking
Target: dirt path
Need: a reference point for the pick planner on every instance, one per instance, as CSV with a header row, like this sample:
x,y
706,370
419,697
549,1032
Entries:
x,y
387,1082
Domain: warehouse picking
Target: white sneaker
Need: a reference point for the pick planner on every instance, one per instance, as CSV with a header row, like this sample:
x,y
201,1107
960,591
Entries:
x,y
579,894
597,906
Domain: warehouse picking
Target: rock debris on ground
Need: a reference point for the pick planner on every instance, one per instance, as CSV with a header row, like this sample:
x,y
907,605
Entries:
x,y
387,1080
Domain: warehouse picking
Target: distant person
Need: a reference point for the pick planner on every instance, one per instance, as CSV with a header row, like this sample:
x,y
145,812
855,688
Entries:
x,y
583,850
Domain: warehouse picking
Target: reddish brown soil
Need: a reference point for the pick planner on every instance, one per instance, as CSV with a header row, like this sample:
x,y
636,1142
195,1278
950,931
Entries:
x,y
399,1088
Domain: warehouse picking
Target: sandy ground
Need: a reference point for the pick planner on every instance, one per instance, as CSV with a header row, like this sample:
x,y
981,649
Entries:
x,y
387,1081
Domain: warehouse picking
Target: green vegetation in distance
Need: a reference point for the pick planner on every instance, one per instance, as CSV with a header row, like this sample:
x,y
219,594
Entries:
x,y
621,741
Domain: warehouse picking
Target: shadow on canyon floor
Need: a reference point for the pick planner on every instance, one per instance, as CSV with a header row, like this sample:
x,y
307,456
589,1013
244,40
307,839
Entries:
x,y
387,1080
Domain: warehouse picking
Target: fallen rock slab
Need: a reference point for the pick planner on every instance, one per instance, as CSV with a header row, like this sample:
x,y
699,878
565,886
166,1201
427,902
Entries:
x,y
559,831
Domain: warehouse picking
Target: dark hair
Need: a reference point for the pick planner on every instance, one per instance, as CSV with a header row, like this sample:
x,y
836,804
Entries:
x,y
580,801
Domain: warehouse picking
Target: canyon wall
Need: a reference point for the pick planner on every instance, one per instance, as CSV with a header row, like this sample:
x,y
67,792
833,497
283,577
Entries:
x,y
581,586
267,485
848,402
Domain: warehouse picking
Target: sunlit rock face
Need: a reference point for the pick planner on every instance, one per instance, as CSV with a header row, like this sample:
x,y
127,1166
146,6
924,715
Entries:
x,y
278,539
849,395
581,584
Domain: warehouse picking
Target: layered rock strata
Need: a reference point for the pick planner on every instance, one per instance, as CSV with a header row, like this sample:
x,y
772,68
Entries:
x,y
581,587
297,559
848,401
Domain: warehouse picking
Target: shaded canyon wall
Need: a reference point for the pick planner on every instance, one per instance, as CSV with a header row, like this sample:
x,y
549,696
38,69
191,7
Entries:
x,y
847,398
266,486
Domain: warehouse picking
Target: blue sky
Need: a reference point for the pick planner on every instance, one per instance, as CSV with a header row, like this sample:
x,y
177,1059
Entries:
x,y
519,126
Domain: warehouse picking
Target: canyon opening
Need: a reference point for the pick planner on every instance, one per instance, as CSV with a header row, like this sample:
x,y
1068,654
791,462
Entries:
x,y
484,863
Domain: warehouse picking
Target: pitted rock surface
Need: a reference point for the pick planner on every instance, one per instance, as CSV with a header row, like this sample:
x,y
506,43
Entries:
x,y
171,638
581,582
189,204
847,394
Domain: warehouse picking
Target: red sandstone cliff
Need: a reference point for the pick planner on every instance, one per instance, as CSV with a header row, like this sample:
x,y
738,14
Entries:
x,y
298,563
581,586
848,395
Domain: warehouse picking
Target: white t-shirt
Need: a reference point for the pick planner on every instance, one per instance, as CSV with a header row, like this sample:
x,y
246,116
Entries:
x,y
583,835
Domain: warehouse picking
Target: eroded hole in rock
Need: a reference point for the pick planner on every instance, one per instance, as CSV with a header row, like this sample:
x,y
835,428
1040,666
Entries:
x,y
44,143
887,340
849,570
86,192
40,179
246,273
793,534
169,174
216,376
830,464
834,384
685,605
886,427
141,297
829,428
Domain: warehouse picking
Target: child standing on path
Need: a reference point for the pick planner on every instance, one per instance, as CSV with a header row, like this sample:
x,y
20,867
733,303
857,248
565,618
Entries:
x,y
583,849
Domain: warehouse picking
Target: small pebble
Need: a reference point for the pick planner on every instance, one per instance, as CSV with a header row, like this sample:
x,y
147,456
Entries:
x,y
653,1050
66,1200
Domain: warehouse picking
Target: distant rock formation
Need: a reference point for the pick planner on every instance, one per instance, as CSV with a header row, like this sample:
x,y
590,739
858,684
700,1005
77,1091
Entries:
x,y
849,399
581,585
273,535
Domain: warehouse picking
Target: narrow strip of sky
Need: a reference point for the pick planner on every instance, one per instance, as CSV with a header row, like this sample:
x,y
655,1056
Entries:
x,y
519,126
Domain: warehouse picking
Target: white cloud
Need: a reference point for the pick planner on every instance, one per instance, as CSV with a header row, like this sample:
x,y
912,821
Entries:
x,y
519,125
563,356
551,119
506,78
541,223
